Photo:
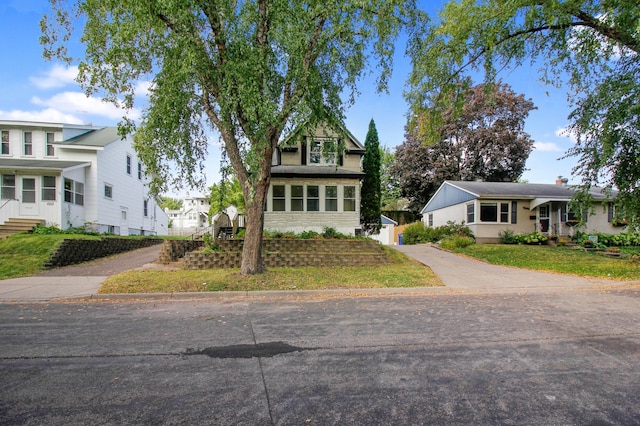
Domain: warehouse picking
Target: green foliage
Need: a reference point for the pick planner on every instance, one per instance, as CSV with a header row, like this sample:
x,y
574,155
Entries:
x,y
224,194
309,235
390,191
418,233
165,202
508,236
451,242
624,239
210,244
370,192
331,233
54,230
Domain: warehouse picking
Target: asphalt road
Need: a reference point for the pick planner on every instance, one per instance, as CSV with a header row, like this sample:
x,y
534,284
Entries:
x,y
551,356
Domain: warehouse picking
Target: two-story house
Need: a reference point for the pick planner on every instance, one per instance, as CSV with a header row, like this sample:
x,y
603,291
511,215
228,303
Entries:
x,y
314,185
75,175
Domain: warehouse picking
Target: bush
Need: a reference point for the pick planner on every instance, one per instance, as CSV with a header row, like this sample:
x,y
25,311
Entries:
x,y
451,242
418,233
508,236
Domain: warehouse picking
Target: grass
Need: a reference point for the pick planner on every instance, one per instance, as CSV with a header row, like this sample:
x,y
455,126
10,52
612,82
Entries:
x,y
558,259
402,272
25,254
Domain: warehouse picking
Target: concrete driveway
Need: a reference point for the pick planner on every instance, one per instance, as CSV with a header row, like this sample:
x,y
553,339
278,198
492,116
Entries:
x,y
463,273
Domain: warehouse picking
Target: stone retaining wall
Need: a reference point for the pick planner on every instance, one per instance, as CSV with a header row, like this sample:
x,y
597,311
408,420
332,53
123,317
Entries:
x,y
292,253
72,251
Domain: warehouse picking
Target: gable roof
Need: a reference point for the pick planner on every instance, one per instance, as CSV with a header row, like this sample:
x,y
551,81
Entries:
x,y
455,192
304,130
98,138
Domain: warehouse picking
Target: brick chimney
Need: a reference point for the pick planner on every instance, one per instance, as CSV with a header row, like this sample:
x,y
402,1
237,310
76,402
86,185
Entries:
x,y
562,181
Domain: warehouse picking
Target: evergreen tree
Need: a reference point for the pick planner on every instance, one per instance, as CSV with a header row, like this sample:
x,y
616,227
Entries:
x,y
370,209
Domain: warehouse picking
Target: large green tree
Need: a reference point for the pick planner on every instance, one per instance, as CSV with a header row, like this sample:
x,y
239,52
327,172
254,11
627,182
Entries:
x,y
592,46
251,70
370,204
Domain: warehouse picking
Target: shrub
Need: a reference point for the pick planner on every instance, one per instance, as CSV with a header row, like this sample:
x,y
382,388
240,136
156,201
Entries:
x,y
329,232
451,242
508,236
534,238
415,233
308,235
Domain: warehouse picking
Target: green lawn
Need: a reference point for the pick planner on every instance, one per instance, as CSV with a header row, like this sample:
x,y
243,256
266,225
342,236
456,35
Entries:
x,y
566,260
25,254
402,272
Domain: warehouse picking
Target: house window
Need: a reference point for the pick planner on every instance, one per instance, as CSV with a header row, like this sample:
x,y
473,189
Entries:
x,y
74,192
278,198
145,208
108,191
297,198
471,213
349,202
322,152
50,149
128,164
48,188
313,198
79,193
68,190
4,145
331,198
488,212
430,220
28,190
514,212
8,189
140,171
504,212
28,143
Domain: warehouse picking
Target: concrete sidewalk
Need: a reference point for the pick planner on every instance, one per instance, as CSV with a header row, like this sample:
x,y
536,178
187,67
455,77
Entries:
x,y
458,273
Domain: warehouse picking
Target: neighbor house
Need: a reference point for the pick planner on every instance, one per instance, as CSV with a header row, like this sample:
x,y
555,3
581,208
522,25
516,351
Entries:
x,y
490,207
314,185
192,217
71,175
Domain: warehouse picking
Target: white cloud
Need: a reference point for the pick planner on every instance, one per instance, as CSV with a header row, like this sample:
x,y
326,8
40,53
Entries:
x,y
565,133
79,103
48,115
546,146
143,87
57,76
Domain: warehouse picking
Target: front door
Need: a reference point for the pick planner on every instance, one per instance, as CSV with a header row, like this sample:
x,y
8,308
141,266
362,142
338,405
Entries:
x,y
28,199
543,213
124,222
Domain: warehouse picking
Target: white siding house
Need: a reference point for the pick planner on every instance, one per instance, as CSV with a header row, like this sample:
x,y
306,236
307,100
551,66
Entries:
x,y
72,175
192,218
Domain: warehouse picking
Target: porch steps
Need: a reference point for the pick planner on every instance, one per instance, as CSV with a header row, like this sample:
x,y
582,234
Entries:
x,y
17,225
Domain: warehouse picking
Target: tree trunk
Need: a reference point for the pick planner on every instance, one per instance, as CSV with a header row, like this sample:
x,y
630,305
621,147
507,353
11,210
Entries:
x,y
252,249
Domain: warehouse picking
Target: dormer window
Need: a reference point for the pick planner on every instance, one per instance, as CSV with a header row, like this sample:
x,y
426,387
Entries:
x,y
322,152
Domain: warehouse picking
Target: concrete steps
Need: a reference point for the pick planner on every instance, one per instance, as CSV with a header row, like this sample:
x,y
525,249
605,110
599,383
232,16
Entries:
x,y
18,225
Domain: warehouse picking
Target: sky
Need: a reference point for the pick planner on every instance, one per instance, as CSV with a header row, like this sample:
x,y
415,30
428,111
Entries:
x,y
33,89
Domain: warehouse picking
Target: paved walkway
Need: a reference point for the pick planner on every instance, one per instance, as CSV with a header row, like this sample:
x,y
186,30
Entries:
x,y
458,273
